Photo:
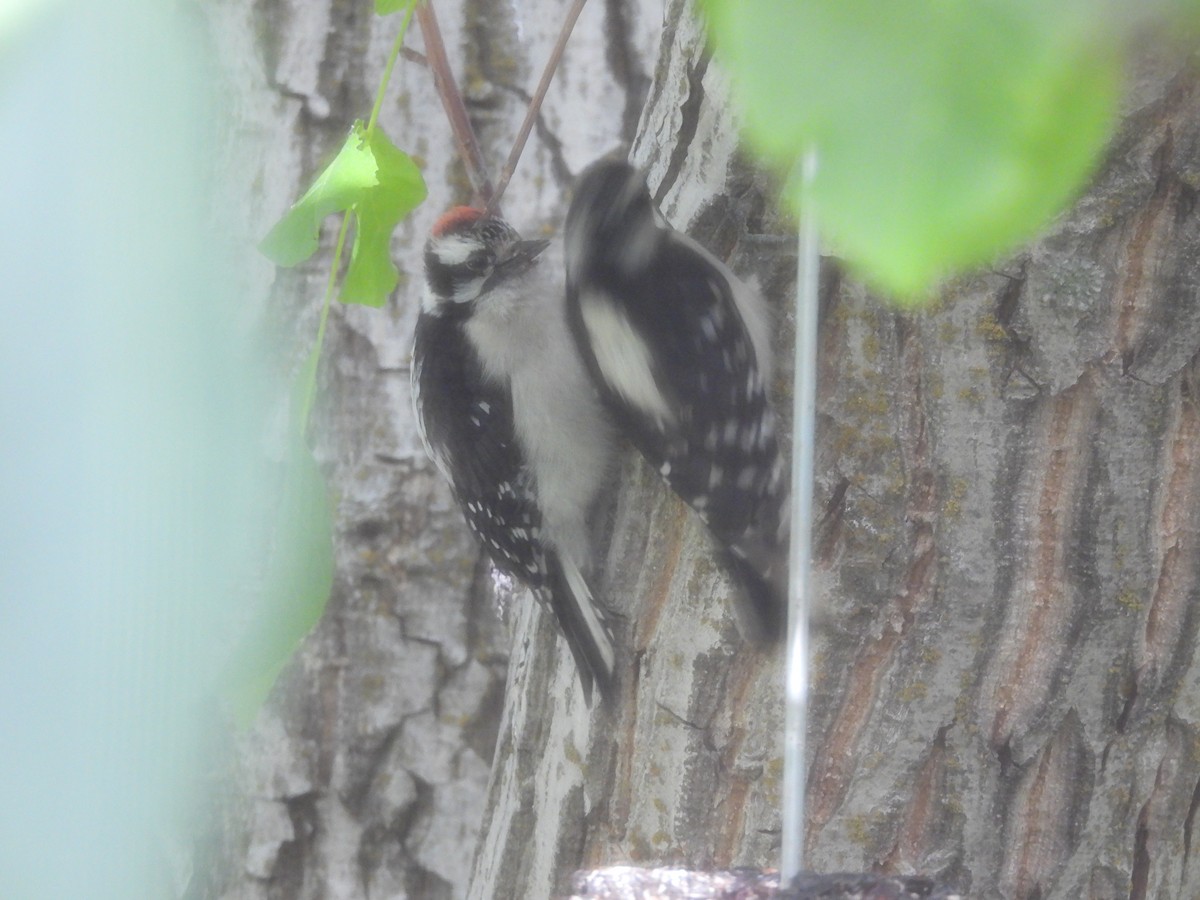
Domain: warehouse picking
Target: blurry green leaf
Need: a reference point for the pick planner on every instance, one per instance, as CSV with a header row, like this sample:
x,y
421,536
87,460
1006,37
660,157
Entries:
x,y
946,131
1187,14
342,184
16,15
372,275
299,578
299,573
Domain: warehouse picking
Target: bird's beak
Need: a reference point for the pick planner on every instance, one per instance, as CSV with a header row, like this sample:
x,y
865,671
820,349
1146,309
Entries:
x,y
518,258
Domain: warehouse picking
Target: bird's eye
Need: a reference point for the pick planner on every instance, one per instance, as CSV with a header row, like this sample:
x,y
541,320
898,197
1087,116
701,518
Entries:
x,y
480,261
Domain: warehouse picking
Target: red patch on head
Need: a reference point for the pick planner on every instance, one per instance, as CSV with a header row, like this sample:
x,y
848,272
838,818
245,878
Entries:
x,y
455,218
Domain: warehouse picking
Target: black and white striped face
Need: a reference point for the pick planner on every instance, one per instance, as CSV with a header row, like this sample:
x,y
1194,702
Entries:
x,y
461,255
469,252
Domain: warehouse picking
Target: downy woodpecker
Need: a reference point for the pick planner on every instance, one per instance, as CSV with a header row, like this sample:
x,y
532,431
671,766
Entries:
x,y
679,351
508,414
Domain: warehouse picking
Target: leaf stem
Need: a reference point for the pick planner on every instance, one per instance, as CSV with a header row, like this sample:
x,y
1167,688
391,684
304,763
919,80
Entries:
x,y
391,64
310,389
335,266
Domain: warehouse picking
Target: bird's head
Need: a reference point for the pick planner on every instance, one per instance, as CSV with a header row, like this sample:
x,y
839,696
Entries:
x,y
469,252
612,224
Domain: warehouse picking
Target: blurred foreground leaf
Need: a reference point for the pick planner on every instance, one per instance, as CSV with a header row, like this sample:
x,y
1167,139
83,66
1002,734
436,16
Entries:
x,y
947,131
299,572
298,582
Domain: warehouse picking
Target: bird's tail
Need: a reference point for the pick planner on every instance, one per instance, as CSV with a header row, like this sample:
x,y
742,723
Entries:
x,y
584,624
759,566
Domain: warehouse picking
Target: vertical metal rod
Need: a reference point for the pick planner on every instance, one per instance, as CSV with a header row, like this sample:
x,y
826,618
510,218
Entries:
x,y
795,773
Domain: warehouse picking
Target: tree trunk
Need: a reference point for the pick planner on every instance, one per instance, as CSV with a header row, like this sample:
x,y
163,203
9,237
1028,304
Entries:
x,y
365,774
1006,693
1007,561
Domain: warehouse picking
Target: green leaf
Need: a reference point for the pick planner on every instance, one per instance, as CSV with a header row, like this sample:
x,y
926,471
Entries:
x,y
387,7
342,184
372,276
947,130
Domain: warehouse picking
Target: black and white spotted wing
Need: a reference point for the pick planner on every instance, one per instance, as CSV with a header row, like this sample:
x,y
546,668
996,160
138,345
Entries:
x,y
662,335
467,426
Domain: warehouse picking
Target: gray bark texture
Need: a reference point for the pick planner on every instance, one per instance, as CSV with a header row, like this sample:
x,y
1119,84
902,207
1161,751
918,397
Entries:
x,y
1006,694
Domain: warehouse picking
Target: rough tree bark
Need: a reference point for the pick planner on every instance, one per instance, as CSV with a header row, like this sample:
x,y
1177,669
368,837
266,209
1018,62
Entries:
x,y
1006,689
365,774
1005,682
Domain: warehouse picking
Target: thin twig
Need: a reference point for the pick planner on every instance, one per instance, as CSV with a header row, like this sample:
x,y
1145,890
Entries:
x,y
456,110
535,104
